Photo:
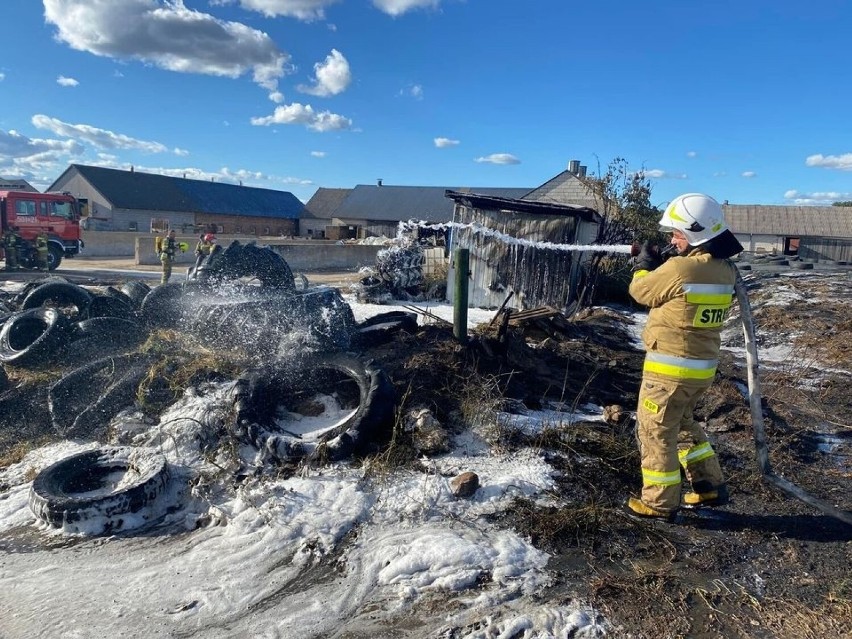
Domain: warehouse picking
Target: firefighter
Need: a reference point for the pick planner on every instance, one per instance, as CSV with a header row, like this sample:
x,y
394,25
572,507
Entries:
x,y
11,240
41,251
168,248
689,296
204,247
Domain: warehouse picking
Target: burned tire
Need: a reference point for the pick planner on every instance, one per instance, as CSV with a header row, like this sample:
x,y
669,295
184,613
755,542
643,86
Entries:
x,y
107,328
31,337
360,386
162,305
83,487
61,293
135,292
803,266
382,328
108,306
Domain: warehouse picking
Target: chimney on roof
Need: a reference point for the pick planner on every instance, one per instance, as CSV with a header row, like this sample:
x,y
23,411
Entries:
x,y
725,202
582,172
131,168
379,182
574,166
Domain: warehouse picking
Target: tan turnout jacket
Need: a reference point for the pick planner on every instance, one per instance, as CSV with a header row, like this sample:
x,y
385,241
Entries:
x,y
689,298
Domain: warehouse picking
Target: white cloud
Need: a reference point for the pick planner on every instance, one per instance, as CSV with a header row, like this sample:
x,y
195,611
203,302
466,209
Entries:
x,y
180,152
443,143
839,162
296,113
101,138
660,174
307,10
318,154
66,82
277,97
33,159
749,174
691,154
2,77
499,158
413,90
824,198
331,76
398,7
720,174
167,35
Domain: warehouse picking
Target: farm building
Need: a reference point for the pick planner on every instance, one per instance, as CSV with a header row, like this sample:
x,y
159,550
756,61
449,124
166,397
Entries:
x,y
137,201
376,210
16,184
507,253
811,232
370,211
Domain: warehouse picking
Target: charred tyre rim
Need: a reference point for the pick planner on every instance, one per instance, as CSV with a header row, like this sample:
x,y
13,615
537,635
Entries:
x,y
59,293
31,337
360,385
104,483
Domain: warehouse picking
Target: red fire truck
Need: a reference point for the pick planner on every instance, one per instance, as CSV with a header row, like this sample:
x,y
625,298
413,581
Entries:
x,y
57,214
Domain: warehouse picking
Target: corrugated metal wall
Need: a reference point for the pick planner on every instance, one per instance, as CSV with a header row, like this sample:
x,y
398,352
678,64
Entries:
x,y
538,276
821,248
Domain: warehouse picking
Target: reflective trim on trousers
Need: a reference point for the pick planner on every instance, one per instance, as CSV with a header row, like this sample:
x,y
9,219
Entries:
x,y
695,454
660,477
680,367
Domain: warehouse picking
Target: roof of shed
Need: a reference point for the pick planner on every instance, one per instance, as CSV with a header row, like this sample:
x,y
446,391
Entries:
x,y
805,221
135,190
324,203
495,203
394,203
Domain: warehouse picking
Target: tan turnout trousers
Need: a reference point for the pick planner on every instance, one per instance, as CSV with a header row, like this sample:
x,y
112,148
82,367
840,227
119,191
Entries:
x,y
671,441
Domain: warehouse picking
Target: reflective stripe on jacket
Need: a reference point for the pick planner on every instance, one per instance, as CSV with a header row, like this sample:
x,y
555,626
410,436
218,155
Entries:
x,y
689,298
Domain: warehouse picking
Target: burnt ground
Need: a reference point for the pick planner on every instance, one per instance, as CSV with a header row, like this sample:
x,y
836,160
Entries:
x,y
764,566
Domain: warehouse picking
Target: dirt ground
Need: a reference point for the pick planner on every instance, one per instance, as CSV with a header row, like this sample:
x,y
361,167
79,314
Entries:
x,y
764,566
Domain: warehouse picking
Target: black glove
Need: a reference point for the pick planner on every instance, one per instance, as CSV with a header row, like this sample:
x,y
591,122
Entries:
x,y
648,258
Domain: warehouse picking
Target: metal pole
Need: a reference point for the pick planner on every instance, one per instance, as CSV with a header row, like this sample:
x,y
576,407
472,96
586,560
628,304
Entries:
x,y
462,260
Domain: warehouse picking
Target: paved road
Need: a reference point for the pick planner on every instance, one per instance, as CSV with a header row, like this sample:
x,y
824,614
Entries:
x,y
86,270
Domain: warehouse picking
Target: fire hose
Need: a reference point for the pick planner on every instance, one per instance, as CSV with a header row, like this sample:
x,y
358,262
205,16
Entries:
x,y
754,400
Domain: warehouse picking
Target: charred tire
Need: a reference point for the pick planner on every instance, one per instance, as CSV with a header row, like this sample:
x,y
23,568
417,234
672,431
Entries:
x,y
380,330
32,337
108,306
61,292
161,306
803,266
108,328
135,292
368,387
62,493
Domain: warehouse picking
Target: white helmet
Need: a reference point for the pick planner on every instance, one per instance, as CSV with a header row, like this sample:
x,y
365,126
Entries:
x,y
699,217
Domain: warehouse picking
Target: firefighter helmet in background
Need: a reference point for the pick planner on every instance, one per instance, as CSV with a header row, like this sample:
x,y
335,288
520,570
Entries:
x,y
699,217
209,237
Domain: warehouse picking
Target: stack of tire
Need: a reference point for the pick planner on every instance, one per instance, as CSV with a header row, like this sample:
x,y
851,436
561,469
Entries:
x,y
60,322
401,267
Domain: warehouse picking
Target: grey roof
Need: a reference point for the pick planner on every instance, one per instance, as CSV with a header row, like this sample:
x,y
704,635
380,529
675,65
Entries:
x,y
324,203
799,221
495,203
395,203
135,190
565,188
16,184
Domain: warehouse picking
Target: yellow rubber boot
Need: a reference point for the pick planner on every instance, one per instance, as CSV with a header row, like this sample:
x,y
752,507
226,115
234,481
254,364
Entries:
x,y
638,509
717,497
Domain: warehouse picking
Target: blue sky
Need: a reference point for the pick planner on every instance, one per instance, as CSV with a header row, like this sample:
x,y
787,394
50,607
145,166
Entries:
x,y
749,101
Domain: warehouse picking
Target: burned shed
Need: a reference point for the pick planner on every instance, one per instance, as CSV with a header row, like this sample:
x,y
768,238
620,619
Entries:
x,y
521,247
